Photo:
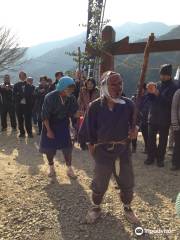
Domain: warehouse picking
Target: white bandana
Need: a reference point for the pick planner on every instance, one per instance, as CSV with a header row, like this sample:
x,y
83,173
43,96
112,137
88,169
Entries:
x,y
105,92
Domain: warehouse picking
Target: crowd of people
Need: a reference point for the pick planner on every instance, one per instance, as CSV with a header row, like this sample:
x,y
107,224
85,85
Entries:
x,y
100,118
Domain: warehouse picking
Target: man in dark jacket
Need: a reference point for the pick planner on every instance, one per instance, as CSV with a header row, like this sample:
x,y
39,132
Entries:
x,y
79,81
7,107
24,98
159,119
30,81
58,75
143,116
40,93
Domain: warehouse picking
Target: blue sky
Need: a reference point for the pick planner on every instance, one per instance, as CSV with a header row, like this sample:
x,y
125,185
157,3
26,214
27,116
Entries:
x,y
37,21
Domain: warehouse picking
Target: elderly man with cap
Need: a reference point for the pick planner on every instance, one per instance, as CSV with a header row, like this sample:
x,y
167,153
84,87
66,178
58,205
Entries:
x,y
59,106
109,126
161,95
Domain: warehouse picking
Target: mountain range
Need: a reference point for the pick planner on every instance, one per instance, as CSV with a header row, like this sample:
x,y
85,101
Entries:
x,y
130,65
43,48
138,31
47,58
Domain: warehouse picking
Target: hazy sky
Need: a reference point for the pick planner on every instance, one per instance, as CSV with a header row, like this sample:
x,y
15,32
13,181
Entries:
x,y
37,21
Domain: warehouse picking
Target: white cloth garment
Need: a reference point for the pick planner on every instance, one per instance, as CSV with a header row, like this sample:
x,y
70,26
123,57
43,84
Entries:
x,y
105,93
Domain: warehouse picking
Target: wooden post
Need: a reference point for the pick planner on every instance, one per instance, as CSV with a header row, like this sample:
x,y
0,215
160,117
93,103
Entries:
x,y
107,60
143,76
79,59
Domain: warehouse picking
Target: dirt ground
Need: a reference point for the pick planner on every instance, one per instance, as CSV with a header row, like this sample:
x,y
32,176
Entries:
x,y
33,207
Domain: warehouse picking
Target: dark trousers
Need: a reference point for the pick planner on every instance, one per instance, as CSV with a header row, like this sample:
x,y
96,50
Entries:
x,y
24,115
157,151
34,118
144,130
134,144
67,153
11,111
105,166
39,125
176,152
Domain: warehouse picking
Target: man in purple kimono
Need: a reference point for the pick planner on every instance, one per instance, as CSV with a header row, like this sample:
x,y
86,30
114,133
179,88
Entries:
x,y
109,126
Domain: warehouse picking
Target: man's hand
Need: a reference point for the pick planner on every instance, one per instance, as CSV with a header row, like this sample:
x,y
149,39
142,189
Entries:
x,y
91,149
78,114
50,134
133,133
157,92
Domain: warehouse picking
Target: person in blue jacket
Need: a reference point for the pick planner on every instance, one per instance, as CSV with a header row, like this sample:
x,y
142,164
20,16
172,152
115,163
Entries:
x,y
58,107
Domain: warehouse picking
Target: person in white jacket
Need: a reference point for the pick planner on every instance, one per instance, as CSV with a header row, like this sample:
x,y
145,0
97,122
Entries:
x,y
175,121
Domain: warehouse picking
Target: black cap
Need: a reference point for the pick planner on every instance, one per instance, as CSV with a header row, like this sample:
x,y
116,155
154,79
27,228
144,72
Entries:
x,y
166,69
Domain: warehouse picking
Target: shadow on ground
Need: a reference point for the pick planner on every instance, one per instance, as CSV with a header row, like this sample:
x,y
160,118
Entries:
x,y
72,203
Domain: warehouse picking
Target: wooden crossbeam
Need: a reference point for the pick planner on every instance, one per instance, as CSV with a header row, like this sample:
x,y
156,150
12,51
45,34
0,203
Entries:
x,y
121,47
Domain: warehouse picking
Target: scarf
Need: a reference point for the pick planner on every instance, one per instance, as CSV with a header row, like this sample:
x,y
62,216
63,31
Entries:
x,y
104,92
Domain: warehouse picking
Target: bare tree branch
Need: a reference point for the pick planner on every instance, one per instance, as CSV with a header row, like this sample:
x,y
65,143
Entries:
x,y
10,51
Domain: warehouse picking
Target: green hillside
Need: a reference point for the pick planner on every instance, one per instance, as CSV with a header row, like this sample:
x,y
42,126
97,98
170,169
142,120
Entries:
x,y
130,66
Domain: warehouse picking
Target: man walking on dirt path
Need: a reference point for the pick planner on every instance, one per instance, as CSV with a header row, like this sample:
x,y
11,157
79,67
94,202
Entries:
x,y
109,126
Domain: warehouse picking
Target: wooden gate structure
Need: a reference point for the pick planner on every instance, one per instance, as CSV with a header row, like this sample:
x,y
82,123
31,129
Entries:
x,y
123,47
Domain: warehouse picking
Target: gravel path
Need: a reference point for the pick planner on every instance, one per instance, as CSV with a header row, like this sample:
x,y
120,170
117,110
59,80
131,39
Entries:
x,y
33,207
